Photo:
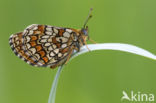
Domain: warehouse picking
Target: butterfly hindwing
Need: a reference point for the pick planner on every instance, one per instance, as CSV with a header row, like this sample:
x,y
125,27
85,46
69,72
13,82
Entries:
x,y
17,47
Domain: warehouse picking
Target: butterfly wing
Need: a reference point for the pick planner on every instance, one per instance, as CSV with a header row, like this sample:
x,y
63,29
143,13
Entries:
x,y
42,45
17,47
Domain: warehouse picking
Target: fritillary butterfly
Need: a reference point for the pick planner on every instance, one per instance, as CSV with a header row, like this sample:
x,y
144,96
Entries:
x,y
48,46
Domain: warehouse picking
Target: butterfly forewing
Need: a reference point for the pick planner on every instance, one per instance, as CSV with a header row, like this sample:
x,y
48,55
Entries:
x,y
43,45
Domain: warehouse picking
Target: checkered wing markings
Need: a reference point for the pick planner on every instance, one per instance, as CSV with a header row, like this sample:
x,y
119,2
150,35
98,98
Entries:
x,y
17,47
47,45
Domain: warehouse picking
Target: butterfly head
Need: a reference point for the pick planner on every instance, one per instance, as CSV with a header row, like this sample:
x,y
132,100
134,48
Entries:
x,y
85,31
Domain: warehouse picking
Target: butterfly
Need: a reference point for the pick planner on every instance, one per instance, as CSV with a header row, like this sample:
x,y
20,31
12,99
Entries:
x,y
48,46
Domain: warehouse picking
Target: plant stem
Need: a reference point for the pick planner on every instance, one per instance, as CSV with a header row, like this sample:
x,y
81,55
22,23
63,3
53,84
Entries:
x,y
54,86
105,46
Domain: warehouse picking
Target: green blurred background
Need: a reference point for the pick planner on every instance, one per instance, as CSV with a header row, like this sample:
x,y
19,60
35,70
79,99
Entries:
x,y
95,77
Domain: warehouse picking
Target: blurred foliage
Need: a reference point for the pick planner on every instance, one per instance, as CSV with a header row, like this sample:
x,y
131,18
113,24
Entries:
x,y
95,77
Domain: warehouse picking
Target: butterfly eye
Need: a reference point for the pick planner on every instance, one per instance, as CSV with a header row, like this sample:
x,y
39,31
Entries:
x,y
85,32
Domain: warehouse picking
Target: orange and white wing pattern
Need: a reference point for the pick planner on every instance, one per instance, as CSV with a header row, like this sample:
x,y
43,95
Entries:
x,y
44,45
48,46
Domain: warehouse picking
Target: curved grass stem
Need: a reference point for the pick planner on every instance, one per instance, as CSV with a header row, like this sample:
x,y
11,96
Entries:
x,y
54,85
104,46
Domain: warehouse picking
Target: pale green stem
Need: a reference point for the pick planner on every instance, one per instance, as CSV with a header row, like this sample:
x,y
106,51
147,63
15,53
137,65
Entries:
x,y
54,86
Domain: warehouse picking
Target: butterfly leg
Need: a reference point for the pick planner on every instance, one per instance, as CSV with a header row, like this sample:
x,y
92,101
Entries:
x,y
82,41
53,67
70,53
86,45
92,40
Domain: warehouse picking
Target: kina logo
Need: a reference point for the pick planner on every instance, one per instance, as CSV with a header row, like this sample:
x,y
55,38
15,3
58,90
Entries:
x,y
137,97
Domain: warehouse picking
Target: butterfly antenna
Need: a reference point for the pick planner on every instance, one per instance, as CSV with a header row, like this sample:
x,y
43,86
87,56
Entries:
x,y
88,17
